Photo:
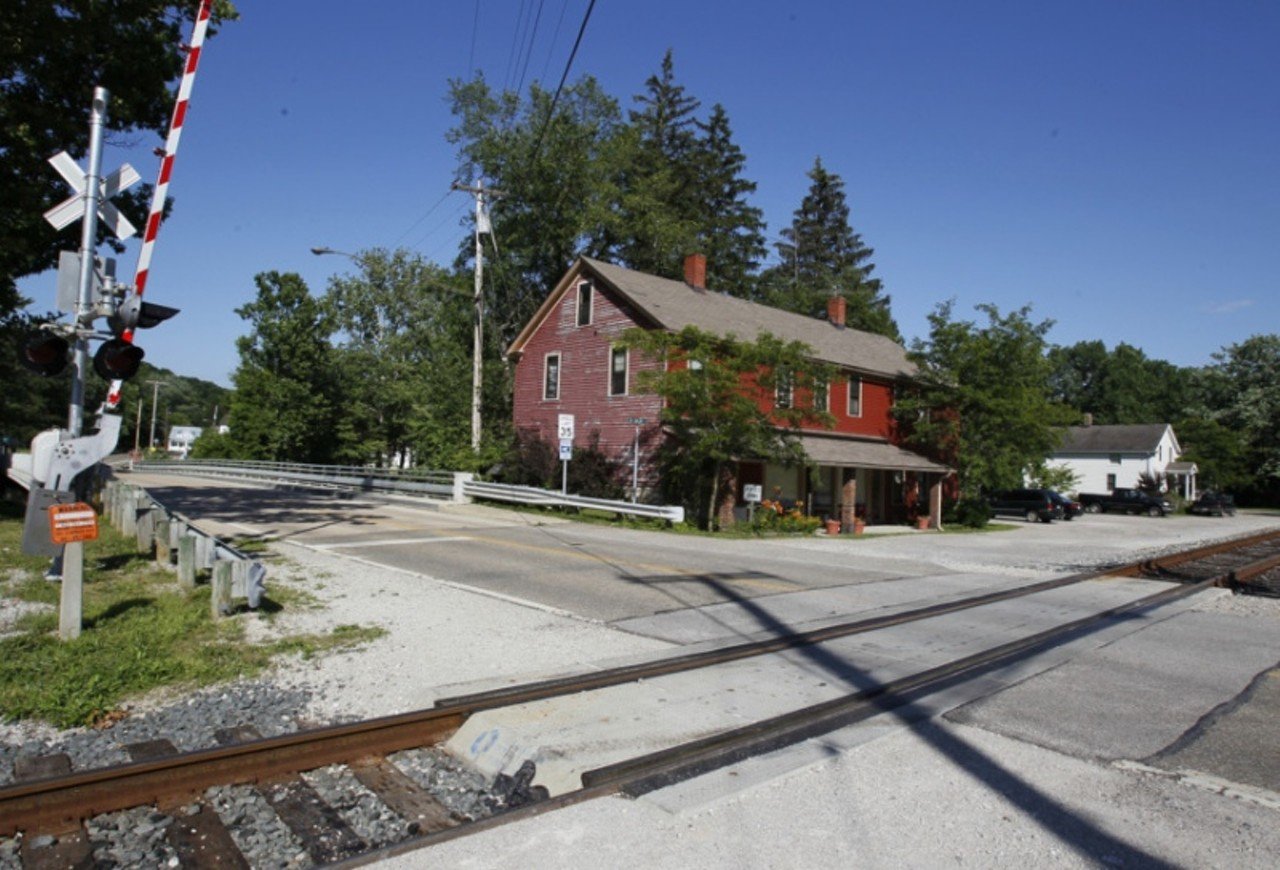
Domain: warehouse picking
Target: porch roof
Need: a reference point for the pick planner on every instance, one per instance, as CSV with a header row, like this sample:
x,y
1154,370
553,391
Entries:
x,y
858,453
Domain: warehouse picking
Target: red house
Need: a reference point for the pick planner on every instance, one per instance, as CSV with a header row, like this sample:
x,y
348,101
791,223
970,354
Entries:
x,y
567,362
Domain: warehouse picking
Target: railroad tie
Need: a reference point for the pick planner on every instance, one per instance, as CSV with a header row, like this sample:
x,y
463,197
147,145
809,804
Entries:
x,y
52,850
402,795
322,831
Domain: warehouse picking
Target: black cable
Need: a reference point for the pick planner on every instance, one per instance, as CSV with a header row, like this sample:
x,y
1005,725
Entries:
x,y
551,111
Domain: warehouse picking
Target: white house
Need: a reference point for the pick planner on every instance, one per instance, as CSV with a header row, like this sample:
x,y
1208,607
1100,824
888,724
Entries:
x,y
1106,457
181,438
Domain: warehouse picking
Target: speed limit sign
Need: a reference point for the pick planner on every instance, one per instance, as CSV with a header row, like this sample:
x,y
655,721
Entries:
x,y
566,427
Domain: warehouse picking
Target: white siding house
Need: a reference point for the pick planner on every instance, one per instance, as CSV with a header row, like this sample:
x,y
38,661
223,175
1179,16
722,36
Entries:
x,y
181,438
1106,457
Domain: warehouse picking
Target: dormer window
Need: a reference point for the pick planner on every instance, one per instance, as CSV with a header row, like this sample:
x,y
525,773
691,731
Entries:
x,y
584,303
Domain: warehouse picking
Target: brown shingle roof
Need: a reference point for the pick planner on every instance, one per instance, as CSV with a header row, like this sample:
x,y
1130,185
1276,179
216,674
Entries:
x,y
674,305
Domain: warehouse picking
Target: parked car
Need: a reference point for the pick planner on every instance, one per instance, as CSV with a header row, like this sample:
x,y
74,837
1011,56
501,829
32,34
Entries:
x,y
1125,500
1032,504
1214,504
1070,507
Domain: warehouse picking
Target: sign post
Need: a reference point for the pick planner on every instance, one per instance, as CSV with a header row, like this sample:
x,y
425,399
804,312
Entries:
x,y
751,494
564,428
71,525
635,456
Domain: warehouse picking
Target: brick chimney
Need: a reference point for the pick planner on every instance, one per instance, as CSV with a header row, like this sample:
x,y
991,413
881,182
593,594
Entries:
x,y
695,271
836,310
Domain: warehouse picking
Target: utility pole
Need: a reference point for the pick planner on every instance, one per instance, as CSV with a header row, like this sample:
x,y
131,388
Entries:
x,y
137,427
477,364
155,400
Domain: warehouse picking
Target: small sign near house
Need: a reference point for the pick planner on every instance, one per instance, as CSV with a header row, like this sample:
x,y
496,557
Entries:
x,y
566,450
752,493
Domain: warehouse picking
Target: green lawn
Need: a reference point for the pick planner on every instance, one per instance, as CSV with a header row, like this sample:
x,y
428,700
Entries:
x,y
141,632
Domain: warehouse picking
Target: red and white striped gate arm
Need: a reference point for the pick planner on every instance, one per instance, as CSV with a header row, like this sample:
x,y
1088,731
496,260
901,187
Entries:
x,y
166,168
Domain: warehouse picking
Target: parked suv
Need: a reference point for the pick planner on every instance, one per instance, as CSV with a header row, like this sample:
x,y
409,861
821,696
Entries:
x,y
1032,504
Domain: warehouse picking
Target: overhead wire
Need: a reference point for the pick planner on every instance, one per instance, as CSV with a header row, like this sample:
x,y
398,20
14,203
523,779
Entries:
x,y
564,7
475,28
537,147
528,53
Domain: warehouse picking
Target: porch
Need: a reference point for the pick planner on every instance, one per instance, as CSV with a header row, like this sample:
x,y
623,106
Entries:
x,y
847,479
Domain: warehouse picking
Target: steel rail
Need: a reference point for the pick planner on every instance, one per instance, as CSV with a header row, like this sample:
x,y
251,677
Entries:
x,y
57,803
659,769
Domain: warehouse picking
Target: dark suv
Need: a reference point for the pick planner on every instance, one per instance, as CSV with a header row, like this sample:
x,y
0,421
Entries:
x,y
1032,504
1070,508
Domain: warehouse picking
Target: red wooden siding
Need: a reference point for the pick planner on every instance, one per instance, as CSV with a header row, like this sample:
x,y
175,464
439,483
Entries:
x,y
584,378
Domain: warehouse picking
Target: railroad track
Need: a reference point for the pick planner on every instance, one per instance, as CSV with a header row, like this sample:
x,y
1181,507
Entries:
x,y
51,808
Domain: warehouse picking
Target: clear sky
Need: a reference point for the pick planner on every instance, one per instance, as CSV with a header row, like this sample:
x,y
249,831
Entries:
x,y
1116,165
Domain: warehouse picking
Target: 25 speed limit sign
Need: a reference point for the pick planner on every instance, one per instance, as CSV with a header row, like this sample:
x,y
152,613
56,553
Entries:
x,y
566,427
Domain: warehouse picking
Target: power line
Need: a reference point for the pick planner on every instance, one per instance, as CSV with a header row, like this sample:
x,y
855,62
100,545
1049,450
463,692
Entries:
x,y
528,54
555,99
564,7
513,56
414,225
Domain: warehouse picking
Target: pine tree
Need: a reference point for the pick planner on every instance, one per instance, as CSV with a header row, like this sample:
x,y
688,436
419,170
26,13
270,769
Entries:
x,y
822,256
730,231
658,218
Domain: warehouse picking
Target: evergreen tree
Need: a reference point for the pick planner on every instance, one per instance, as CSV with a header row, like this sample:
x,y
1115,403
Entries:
x,y
730,231
822,256
658,209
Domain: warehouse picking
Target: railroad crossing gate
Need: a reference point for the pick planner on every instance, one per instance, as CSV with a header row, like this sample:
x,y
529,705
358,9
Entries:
x,y
70,523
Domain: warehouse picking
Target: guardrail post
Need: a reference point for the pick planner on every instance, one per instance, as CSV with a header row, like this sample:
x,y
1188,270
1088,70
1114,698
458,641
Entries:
x,y
204,552
164,553
220,599
146,528
187,561
459,479
129,527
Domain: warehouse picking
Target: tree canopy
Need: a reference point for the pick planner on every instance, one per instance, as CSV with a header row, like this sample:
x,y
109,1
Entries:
x,y
981,397
718,405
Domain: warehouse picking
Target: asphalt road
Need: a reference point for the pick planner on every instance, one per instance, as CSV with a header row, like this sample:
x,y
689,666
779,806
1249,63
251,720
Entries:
x,y
595,572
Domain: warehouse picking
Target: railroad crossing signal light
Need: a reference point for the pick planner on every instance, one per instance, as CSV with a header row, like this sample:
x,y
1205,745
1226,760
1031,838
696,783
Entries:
x,y
117,360
45,354
133,313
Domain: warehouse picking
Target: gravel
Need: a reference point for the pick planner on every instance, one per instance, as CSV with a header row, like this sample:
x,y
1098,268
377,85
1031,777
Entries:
x,y
418,661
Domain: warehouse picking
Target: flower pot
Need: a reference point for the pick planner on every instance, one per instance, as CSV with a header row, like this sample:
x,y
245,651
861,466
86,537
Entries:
x,y
858,527
922,523
833,527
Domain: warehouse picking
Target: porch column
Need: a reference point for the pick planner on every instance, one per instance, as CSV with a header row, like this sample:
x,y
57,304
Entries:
x,y
728,497
849,502
935,504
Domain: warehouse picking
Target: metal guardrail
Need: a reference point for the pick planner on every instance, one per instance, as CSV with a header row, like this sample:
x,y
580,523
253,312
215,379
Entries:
x,y
452,485
441,484
550,498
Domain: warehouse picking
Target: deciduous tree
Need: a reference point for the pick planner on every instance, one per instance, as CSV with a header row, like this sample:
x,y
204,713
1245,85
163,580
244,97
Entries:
x,y
718,406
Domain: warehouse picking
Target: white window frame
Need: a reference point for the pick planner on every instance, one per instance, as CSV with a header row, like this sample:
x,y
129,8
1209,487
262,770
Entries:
x,y
587,295
852,400
626,369
821,388
784,387
546,367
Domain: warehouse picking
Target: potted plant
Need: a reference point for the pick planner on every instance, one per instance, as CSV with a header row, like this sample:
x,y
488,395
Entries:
x,y
833,526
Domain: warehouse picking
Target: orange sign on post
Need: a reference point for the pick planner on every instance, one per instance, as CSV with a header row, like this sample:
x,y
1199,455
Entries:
x,y
69,523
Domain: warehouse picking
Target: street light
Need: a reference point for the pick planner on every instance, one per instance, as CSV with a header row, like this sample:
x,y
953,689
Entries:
x,y
477,371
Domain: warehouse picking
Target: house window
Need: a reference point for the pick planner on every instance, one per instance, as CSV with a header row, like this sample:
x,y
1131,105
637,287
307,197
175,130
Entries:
x,y
782,393
855,397
618,371
821,395
551,377
584,303
1111,481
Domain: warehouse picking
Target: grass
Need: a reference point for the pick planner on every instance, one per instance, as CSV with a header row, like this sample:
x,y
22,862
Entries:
x,y
141,632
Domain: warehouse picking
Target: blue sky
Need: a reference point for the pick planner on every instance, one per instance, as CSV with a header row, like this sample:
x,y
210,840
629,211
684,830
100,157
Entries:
x,y
1115,165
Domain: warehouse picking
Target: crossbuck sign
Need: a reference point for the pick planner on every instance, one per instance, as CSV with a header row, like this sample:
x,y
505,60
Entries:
x,y
72,209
